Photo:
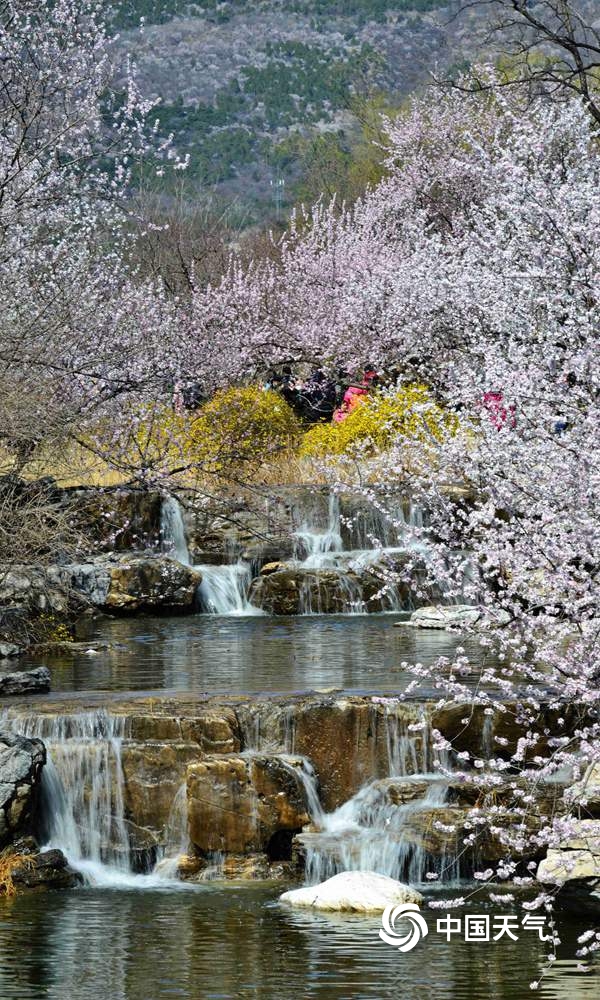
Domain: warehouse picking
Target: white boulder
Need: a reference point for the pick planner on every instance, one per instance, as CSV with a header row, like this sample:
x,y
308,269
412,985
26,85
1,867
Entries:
x,y
353,892
455,616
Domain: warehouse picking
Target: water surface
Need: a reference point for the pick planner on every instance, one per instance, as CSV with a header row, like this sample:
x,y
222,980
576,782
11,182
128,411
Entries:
x,y
209,653
236,942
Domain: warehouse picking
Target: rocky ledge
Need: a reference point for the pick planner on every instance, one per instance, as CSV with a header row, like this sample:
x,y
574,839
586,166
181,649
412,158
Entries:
x,y
248,765
23,682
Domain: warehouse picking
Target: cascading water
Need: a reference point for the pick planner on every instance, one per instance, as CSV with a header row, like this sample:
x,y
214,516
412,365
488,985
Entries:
x,y
319,547
357,576
378,828
224,590
83,810
372,832
177,841
172,530
304,770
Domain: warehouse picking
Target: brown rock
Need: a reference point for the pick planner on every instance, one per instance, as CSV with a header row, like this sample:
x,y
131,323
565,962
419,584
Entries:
x,y
349,742
214,729
153,772
242,805
47,870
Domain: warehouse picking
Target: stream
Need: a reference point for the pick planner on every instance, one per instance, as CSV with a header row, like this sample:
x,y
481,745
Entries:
x,y
236,942
215,654
133,931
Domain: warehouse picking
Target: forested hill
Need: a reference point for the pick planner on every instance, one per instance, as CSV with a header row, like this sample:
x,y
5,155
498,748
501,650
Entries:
x,y
272,99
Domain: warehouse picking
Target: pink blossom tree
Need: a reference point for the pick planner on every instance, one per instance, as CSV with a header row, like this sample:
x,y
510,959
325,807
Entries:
x,y
475,267
77,328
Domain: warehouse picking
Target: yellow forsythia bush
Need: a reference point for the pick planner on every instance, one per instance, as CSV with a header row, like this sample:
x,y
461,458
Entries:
x,y
239,425
378,420
236,426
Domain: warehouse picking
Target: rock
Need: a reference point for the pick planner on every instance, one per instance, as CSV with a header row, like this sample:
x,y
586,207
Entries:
x,y
456,616
577,857
242,805
21,763
214,730
32,589
9,649
353,892
349,740
47,870
153,772
88,582
560,866
575,868
140,582
272,567
292,589
117,520
585,794
35,681
237,867
127,583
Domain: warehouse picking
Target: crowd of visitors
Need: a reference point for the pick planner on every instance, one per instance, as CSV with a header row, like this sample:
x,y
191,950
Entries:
x,y
322,397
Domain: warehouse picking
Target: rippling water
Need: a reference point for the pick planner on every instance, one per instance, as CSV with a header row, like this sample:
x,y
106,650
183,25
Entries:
x,y
237,655
222,942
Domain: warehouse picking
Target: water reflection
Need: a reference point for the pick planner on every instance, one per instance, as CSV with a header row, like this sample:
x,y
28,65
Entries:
x,y
234,655
238,942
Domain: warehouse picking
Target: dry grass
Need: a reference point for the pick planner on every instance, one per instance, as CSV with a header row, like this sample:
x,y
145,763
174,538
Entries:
x,y
71,465
10,862
74,465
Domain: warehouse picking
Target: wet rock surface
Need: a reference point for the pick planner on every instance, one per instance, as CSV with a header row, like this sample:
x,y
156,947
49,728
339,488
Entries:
x,y
44,870
21,763
23,682
242,761
241,805
153,772
293,590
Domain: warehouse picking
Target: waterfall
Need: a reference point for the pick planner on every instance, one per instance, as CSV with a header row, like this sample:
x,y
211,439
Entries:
x,y
379,828
402,750
224,590
319,547
172,530
371,832
177,841
304,770
355,576
83,809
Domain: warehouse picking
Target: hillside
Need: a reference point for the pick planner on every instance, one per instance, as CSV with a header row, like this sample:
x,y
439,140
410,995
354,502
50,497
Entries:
x,y
266,96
